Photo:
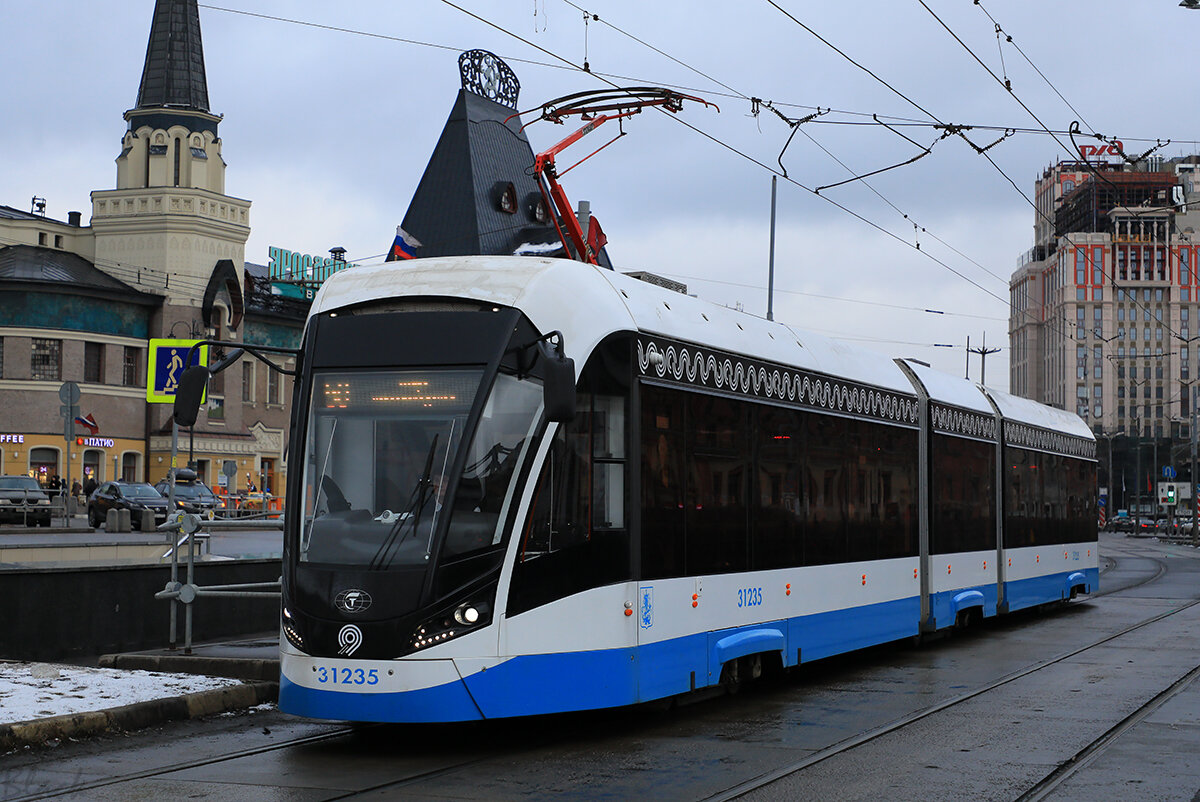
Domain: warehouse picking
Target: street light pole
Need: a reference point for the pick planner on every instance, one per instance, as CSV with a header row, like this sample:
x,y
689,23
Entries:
x,y
1192,478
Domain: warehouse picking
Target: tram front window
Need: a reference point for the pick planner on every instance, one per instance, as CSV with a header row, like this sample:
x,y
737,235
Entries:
x,y
381,448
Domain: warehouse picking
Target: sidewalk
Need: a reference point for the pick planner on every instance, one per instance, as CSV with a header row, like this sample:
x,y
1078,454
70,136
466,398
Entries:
x,y
40,702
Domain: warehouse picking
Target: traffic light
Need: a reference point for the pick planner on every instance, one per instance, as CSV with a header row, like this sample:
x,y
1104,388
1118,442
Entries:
x,y
1170,494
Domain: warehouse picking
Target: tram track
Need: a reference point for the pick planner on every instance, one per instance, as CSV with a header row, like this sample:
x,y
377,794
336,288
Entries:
x,y
159,771
1055,778
1081,759
1042,790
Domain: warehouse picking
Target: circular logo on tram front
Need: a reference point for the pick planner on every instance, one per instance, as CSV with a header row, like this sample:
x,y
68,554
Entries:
x,y
350,638
352,601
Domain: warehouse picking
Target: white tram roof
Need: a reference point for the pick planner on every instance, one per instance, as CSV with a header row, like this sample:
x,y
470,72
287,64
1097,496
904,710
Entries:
x,y
587,303
1025,410
950,389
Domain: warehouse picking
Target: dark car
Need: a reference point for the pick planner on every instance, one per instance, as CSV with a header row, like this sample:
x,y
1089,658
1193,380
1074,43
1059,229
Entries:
x,y
191,494
132,496
22,501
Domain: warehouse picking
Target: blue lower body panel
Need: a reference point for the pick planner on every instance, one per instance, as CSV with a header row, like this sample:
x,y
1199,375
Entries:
x,y
448,702
946,605
1050,588
840,631
553,683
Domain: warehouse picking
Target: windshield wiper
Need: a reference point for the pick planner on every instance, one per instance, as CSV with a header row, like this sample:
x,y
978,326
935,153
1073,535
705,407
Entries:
x,y
417,500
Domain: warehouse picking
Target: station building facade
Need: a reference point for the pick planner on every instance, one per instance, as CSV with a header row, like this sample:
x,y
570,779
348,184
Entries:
x,y
163,256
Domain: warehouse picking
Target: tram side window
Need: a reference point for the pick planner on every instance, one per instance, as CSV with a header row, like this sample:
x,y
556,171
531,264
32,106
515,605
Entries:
x,y
576,535
963,492
718,459
893,510
781,506
1048,499
1078,490
662,482
1022,497
825,485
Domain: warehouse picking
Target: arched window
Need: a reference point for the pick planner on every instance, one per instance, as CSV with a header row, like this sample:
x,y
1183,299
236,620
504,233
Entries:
x,y
43,464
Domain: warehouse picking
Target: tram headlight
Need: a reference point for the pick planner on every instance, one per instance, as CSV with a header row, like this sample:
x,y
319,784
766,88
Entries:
x,y
460,620
467,614
290,630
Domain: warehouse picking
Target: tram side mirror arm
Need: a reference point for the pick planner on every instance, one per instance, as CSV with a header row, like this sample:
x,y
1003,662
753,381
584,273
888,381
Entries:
x,y
558,381
188,394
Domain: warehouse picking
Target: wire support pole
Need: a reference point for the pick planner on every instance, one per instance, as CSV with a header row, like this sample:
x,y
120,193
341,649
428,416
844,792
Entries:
x,y
771,261
983,352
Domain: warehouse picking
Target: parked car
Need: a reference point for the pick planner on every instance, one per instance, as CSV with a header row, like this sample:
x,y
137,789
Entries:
x,y
132,496
191,494
22,501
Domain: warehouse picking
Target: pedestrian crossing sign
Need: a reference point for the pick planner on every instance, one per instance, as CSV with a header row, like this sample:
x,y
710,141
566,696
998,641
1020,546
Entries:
x,y
165,364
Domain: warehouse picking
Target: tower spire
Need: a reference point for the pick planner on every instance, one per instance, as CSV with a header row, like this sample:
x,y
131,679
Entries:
x,y
173,75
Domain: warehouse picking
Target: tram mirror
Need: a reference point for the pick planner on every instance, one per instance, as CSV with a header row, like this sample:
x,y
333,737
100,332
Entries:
x,y
188,394
558,387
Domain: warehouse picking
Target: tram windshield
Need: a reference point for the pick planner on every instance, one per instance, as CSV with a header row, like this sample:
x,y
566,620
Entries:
x,y
380,453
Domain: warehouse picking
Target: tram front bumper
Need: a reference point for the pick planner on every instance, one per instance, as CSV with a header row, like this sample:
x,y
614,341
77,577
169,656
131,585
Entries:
x,y
406,690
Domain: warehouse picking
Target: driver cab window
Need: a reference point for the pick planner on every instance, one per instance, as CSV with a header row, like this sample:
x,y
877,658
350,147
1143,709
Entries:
x,y
576,536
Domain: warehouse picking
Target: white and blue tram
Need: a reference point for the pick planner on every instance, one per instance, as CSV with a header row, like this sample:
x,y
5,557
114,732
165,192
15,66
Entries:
x,y
728,491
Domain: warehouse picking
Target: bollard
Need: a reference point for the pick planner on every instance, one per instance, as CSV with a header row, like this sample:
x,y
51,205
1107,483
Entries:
x,y
146,520
117,521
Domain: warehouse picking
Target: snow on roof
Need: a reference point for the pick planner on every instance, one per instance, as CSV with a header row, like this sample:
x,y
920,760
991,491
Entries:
x,y
947,389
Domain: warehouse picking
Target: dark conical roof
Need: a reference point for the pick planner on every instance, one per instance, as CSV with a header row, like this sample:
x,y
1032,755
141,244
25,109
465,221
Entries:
x,y
174,72
455,210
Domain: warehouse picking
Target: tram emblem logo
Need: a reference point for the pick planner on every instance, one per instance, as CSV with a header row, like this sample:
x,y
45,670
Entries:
x,y
646,607
352,601
350,638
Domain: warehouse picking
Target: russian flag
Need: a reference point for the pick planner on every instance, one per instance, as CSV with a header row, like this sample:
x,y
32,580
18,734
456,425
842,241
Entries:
x,y
403,247
88,422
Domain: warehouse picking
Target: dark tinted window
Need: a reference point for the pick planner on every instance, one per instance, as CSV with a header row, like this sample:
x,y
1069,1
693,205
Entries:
x,y
963,481
717,484
662,482
1048,499
780,503
767,487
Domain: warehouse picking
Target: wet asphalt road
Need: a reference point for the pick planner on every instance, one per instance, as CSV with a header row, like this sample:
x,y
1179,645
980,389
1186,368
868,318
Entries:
x,y
997,744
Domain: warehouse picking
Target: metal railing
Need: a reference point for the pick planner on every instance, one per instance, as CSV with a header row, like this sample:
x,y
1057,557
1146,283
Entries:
x,y
188,529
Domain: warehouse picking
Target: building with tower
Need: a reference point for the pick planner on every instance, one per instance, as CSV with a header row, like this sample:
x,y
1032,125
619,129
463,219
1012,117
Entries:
x,y
163,256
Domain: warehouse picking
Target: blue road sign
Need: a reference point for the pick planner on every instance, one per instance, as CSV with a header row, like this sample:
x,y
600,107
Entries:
x,y
165,366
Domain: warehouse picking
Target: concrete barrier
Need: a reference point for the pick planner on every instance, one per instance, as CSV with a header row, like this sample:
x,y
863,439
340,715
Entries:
x,y
55,612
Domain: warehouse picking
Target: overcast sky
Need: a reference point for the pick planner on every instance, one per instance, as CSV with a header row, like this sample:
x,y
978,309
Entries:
x,y
331,113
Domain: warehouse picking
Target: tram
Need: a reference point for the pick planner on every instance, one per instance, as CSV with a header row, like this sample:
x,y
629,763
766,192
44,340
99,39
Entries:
x,y
527,485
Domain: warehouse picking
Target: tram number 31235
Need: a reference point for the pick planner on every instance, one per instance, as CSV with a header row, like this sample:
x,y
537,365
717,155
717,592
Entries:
x,y
347,676
749,597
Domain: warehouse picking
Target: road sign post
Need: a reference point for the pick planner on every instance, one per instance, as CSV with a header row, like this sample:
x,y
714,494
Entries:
x,y
69,394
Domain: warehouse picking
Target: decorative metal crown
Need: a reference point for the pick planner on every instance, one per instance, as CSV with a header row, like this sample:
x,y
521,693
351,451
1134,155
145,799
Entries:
x,y
486,74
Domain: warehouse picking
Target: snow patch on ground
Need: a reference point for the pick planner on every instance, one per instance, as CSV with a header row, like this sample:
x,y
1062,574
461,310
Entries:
x,y
30,691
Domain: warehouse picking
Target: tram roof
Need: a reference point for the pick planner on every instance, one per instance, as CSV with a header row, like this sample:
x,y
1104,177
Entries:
x,y
950,389
1025,410
587,303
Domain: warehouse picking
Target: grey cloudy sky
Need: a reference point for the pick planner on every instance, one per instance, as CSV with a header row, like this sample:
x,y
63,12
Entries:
x,y
329,119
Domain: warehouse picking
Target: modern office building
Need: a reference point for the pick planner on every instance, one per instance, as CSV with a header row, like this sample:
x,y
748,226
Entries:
x,y
1105,307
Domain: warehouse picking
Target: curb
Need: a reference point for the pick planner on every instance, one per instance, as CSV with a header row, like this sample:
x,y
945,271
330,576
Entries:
x,y
255,669
138,715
